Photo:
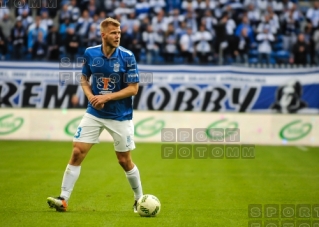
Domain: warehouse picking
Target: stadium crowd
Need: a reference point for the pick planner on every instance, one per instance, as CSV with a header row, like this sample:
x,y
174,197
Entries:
x,y
170,32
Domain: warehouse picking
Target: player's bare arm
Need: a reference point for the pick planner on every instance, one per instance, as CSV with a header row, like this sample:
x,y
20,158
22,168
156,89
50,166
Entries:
x,y
86,86
129,91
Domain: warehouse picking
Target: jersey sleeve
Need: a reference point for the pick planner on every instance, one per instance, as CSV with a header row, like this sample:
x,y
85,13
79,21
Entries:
x,y
131,75
86,71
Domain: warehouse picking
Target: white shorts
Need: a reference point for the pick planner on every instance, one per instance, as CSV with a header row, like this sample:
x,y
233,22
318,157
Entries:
x,y
91,127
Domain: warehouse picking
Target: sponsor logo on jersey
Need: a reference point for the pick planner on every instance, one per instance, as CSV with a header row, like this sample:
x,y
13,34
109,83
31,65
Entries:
x,y
116,67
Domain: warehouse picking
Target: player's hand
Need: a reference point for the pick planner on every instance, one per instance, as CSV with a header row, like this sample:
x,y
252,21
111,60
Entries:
x,y
98,100
99,106
91,98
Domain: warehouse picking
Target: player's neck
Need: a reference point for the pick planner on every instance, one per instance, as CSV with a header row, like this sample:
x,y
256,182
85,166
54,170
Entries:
x,y
108,51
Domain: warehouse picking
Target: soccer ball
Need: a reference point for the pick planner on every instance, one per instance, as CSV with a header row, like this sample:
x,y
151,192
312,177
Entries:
x,y
148,206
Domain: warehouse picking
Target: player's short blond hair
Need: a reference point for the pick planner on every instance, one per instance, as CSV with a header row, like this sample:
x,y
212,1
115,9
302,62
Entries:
x,y
108,21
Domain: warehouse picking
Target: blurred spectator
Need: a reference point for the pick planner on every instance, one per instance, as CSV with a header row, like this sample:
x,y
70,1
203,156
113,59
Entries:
x,y
187,46
157,5
266,24
222,37
144,24
123,11
235,4
181,30
42,8
142,9
3,45
172,4
170,39
316,47
203,40
65,13
3,10
125,37
130,3
72,44
109,6
74,11
310,40
47,6
136,42
53,44
290,28
102,16
39,48
94,38
130,22
228,23
265,40
160,22
92,8
190,19
83,27
46,22
253,15
249,29
26,19
241,46
150,39
277,6
189,4
33,31
300,51
83,4
200,11
175,18
18,37
313,15
22,8
211,5
63,29
209,21
273,20
6,24
96,22
285,6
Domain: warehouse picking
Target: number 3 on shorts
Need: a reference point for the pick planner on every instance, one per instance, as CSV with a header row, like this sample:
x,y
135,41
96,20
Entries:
x,y
78,133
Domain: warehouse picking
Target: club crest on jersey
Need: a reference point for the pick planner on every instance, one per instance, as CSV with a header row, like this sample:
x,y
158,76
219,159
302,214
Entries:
x,y
116,67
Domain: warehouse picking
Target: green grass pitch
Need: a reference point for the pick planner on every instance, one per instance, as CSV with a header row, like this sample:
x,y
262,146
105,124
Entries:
x,y
193,192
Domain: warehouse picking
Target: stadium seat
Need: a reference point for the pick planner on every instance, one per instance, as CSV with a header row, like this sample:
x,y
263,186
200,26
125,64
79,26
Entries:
x,y
282,56
253,60
278,46
253,53
279,38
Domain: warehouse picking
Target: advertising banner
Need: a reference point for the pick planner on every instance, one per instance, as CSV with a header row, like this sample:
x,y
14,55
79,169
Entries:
x,y
169,127
171,88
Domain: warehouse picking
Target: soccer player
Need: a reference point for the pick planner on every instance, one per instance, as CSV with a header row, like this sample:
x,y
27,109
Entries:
x,y
114,80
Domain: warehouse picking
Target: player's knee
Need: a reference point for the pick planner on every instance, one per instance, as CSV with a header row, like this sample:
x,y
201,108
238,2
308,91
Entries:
x,y
125,163
77,154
